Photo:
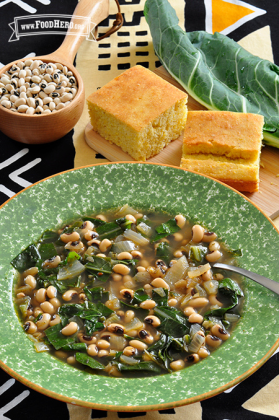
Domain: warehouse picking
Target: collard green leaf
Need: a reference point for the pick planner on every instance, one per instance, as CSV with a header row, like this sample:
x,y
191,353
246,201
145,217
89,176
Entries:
x,y
26,259
164,252
56,338
100,268
215,70
86,360
165,229
141,366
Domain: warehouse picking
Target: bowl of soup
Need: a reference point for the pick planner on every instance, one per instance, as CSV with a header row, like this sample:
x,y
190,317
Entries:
x,y
110,298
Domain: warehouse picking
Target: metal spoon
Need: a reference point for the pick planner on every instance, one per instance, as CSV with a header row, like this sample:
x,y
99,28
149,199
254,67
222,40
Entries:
x,y
264,281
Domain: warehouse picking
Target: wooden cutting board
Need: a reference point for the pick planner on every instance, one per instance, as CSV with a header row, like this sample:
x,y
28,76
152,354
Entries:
x,y
267,198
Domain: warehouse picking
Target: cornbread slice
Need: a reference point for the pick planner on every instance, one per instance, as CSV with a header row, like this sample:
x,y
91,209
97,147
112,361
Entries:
x,y
138,111
224,145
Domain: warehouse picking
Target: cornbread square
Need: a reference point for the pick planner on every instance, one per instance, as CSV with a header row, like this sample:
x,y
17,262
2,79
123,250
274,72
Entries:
x,y
138,111
224,145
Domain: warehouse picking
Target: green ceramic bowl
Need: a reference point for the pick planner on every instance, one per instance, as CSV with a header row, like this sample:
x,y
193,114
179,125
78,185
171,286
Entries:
x,y
148,186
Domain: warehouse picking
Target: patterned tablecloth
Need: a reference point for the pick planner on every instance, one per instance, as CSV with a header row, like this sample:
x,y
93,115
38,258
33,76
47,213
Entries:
x,y
252,23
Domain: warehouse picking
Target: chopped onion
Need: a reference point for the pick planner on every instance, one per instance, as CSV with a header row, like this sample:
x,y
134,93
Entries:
x,y
144,229
117,342
128,360
231,317
70,271
211,287
194,329
199,271
123,246
126,209
137,238
200,290
196,343
160,291
40,346
135,324
142,277
177,271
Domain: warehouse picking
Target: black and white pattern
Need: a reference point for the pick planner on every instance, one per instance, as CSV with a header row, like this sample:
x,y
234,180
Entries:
x,y
21,165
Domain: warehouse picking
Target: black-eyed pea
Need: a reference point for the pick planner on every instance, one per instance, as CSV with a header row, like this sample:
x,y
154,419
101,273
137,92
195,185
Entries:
x,y
55,320
203,352
30,281
51,292
101,255
69,295
32,271
124,256
116,328
92,350
43,321
86,226
30,327
172,302
69,237
213,341
140,269
207,275
131,218
199,302
218,276
37,311
52,262
48,307
209,237
90,235
129,316
213,246
41,295
148,304
195,318
70,329
121,269
177,236
129,351
180,220
147,287
214,301
105,245
139,345
76,246
101,217
136,254
102,344
127,279
177,365
220,332
145,336
197,233
116,277
213,256
192,358
87,339
71,360
152,320
55,302
159,282
189,310
103,353
127,293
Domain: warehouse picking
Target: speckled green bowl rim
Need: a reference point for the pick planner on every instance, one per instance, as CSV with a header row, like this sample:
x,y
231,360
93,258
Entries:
x,y
100,187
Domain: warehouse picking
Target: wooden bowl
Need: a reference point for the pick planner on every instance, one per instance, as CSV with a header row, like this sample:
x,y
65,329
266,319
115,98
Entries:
x,y
46,128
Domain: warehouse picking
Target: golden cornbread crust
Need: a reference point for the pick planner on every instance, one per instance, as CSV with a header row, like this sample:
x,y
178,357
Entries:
x,y
138,111
224,145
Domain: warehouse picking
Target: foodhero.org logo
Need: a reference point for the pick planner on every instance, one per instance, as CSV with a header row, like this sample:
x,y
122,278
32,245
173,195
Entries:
x,y
52,25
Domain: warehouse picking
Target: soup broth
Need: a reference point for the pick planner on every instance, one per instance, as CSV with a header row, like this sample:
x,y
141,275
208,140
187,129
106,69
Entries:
x,y
127,293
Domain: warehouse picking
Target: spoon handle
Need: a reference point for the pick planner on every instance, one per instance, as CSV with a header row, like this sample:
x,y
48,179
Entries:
x,y
87,15
264,281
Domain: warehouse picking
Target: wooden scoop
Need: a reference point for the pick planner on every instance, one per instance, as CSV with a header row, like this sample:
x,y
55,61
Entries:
x,y
45,128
